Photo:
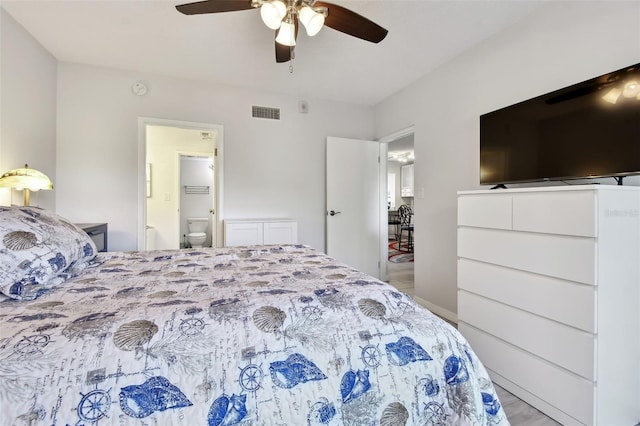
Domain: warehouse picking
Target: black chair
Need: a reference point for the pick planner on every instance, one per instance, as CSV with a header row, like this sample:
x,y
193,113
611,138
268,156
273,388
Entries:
x,y
406,214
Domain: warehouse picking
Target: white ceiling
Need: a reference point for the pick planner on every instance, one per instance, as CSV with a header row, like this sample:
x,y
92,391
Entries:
x,y
236,48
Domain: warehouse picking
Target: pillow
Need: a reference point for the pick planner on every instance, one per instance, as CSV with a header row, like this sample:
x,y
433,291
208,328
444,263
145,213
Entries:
x,y
39,250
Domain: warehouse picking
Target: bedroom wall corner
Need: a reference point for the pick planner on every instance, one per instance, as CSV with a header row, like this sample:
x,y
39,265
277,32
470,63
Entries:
x,y
28,89
557,45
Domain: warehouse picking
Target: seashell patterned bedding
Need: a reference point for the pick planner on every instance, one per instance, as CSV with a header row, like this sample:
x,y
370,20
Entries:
x,y
265,335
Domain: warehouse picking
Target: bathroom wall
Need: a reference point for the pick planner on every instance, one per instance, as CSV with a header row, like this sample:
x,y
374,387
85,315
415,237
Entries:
x,y
196,174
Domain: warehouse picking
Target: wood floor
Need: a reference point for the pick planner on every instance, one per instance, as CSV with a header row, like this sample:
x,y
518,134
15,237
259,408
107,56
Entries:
x,y
519,413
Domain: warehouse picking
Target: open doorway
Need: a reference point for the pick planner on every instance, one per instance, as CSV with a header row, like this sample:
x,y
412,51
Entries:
x,y
197,199
182,183
400,211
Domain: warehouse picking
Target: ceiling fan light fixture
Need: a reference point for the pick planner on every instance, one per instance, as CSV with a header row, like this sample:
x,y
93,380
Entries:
x,y
272,13
612,95
631,89
287,33
312,20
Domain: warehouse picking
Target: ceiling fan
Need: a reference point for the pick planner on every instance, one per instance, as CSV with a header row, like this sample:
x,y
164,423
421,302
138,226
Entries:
x,y
283,16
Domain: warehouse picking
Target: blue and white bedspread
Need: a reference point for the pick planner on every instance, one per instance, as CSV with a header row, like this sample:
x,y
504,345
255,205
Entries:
x,y
243,336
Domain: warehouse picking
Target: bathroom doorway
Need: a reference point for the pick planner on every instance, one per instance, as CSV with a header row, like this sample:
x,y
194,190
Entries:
x,y
166,142
197,204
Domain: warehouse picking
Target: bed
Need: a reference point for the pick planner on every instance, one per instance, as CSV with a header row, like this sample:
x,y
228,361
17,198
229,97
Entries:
x,y
265,335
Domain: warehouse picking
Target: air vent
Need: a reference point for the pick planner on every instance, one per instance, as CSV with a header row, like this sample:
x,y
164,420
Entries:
x,y
265,112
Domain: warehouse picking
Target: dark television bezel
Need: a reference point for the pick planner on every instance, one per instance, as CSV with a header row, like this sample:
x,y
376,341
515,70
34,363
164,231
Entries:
x,y
591,84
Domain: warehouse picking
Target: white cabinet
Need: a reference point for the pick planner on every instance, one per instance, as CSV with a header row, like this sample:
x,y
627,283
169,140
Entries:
x,y
406,180
549,296
247,232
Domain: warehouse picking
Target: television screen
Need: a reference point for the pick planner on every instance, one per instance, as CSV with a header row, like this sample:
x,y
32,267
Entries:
x,y
587,130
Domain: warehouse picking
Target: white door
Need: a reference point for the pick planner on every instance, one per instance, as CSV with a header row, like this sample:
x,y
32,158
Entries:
x,y
353,203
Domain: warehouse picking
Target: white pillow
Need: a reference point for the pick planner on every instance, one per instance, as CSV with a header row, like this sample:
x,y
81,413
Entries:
x,y
39,250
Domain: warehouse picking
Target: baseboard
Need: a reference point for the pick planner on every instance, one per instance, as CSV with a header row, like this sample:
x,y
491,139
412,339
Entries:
x,y
438,310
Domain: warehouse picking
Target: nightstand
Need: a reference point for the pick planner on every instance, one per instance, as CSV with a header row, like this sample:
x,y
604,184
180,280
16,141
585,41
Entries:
x,y
97,232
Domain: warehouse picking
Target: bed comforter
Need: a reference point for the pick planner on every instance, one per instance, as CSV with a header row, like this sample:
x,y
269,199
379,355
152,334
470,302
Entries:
x,y
244,336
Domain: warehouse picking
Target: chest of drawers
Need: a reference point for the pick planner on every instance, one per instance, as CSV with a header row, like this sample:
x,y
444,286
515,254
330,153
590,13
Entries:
x,y
549,296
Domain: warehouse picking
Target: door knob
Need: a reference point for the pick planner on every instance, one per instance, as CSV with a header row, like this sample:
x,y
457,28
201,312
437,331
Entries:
x,y
333,213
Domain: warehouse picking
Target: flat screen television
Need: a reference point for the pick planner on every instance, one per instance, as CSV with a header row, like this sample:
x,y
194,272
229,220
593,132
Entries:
x,y
587,130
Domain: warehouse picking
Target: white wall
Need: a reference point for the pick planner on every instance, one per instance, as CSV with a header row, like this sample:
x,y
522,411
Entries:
x,y
27,108
560,44
271,168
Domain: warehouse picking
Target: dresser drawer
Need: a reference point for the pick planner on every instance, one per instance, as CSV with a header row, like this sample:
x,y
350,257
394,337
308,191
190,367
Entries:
x,y
557,343
485,211
560,300
565,213
560,388
569,258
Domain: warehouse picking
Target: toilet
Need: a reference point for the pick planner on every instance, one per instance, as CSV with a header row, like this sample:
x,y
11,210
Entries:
x,y
197,231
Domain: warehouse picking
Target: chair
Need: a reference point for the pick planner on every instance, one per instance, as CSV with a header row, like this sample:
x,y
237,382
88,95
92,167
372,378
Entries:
x,y
405,213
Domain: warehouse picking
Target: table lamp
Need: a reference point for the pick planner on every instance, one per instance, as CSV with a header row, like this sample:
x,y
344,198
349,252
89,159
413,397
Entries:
x,y
25,179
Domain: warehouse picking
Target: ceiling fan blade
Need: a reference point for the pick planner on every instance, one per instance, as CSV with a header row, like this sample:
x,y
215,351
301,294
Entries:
x,y
214,6
349,22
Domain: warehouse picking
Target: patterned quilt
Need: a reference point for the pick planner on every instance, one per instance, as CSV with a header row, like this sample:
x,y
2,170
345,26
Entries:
x,y
245,336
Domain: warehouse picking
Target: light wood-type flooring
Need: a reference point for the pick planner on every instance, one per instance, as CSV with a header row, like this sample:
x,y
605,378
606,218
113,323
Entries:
x,y
519,413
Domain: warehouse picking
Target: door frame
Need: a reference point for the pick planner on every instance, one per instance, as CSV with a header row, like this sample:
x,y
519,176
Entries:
x,y
143,122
